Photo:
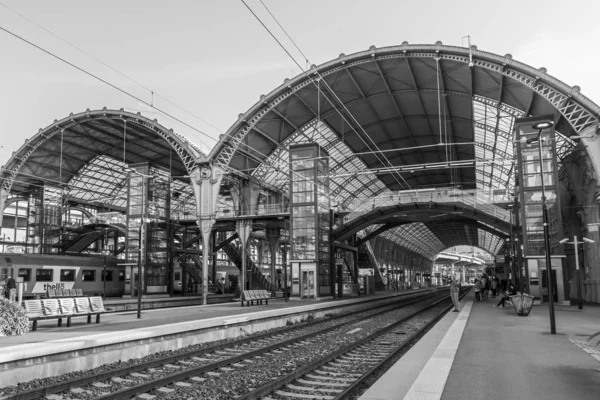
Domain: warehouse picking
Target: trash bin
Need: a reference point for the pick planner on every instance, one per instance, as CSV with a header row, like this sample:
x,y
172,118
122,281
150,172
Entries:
x,y
522,304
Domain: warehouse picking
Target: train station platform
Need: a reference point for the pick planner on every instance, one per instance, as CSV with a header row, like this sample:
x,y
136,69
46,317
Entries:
x,y
122,336
490,353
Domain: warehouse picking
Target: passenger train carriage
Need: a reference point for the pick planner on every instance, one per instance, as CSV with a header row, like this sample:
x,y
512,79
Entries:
x,y
42,272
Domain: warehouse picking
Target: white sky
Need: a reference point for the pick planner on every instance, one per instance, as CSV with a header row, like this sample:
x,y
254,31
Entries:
x,y
214,59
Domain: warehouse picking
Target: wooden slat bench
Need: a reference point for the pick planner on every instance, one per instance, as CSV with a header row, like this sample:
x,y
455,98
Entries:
x,y
250,296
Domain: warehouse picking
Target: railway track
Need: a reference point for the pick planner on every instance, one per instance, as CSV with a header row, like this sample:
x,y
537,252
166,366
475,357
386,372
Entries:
x,y
340,375
131,380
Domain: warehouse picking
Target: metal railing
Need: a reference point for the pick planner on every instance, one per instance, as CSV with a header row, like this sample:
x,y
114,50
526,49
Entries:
x,y
484,200
262,209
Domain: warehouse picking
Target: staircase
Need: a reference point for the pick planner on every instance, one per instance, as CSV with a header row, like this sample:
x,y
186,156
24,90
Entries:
x,y
348,262
195,270
379,283
259,279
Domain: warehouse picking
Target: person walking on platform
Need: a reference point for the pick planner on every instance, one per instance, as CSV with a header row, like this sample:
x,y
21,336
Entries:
x,y
12,289
454,286
494,284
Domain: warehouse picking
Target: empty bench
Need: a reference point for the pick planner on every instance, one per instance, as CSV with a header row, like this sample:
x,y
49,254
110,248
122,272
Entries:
x,y
64,308
250,296
51,293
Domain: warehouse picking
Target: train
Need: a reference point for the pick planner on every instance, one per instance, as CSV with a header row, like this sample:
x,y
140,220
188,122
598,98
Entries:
x,y
42,272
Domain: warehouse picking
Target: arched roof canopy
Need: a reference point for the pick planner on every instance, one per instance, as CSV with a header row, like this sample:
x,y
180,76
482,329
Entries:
x,y
386,115
84,154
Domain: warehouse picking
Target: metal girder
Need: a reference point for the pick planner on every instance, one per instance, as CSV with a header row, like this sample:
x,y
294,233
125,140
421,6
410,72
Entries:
x,y
576,111
397,107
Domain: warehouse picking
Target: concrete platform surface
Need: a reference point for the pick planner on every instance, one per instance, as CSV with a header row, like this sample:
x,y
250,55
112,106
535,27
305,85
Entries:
x,y
153,318
500,356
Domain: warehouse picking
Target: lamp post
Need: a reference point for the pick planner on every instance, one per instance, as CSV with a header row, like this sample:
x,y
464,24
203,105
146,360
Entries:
x,y
104,276
142,236
284,266
332,211
540,126
576,243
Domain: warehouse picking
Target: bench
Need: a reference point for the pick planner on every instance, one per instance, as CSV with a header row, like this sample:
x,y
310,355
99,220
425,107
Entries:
x,y
52,293
250,296
64,308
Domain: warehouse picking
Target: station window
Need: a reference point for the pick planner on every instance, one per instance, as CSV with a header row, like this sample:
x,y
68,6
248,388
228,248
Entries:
x,y
109,276
25,273
43,275
121,276
67,275
88,275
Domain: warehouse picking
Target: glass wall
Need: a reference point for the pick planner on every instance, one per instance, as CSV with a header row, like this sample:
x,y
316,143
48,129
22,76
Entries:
x,y
309,211
530,169
148,200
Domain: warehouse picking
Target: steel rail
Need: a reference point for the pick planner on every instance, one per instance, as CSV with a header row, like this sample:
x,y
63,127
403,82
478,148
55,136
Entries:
x,y
86,380
352,388
129,392
273,385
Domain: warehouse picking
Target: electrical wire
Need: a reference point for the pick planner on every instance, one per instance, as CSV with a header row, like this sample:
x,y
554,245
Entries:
x,y
152,92
105,82
122,90
341,103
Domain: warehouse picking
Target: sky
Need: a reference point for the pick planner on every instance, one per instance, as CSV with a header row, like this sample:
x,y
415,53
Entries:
x,y
213,58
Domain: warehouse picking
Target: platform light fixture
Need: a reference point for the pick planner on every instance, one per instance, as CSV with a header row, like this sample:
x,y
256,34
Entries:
x,y
540,126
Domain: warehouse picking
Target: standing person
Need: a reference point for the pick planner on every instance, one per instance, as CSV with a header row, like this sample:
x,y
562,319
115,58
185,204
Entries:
x,y
454,286
12,289
484,287
494,286
477,290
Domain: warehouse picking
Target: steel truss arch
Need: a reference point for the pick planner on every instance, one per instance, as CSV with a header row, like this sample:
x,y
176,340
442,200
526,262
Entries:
x,y
188,152
577,109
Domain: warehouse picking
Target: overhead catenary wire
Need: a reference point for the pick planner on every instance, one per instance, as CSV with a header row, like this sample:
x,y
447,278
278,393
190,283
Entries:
x,y
341,103
123,91
120,89
152,92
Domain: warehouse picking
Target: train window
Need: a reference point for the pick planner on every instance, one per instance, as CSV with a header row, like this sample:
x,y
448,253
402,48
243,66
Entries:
x,y
109,276
44,275
177,276
25,273
67,275
88,275
121,276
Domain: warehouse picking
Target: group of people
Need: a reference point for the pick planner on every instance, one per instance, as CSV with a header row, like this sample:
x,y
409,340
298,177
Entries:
x,y
8,289
492,286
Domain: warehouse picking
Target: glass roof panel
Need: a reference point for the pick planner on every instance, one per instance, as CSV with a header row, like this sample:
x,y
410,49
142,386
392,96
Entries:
x,y
102,181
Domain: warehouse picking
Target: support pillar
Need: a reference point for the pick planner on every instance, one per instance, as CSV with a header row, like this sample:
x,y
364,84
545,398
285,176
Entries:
x,y
273,239
3,198
243,227
214,261
206,180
